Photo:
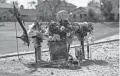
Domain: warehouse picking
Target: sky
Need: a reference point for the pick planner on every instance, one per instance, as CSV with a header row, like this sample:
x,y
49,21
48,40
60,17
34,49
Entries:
x,y
78,3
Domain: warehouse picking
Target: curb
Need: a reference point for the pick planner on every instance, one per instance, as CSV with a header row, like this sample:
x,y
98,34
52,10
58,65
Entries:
x,y
20,53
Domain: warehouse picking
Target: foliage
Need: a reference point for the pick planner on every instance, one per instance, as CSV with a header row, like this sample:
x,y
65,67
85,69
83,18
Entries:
x,y
52,6
106,8
93,3
31,3
91,14
94,6
21,6
2,1
15,2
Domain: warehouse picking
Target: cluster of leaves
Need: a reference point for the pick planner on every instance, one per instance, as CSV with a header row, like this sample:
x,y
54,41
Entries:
x,y
91,14
106,8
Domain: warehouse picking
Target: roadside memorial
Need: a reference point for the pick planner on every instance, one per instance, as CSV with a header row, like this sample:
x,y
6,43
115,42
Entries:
x,y
82,30
59,37
35,33
19,19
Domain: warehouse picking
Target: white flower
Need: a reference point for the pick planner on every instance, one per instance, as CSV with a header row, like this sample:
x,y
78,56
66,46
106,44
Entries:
x,y
68,34
50,38
62,28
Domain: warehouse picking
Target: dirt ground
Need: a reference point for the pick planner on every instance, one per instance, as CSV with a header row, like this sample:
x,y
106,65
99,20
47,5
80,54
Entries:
x,y
104,61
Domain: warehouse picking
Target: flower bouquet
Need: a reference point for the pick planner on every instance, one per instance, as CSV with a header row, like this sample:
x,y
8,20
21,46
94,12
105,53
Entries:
x,y
81,31
60,31
60,34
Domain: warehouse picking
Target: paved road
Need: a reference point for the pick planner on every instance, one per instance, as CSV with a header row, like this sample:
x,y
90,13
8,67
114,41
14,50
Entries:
x,y
8,40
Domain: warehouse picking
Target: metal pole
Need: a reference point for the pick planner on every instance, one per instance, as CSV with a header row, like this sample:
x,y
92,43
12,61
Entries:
x,y
68,48
35,54
82,44
17,41
88,51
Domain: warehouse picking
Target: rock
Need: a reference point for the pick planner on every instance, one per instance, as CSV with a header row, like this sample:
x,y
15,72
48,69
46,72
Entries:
x,y
52,73
13,59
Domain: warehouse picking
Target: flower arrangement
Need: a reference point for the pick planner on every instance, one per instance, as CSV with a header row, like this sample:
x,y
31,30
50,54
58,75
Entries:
x,y
82,29
59,31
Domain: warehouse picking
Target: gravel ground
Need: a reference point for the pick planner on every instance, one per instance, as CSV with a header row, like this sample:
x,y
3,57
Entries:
x,y
104,61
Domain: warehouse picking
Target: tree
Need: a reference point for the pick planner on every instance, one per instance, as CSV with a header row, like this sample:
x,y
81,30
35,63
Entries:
x,y
32,4
106,8
21,7
2,1
53,6
93,3
91,14
15,2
